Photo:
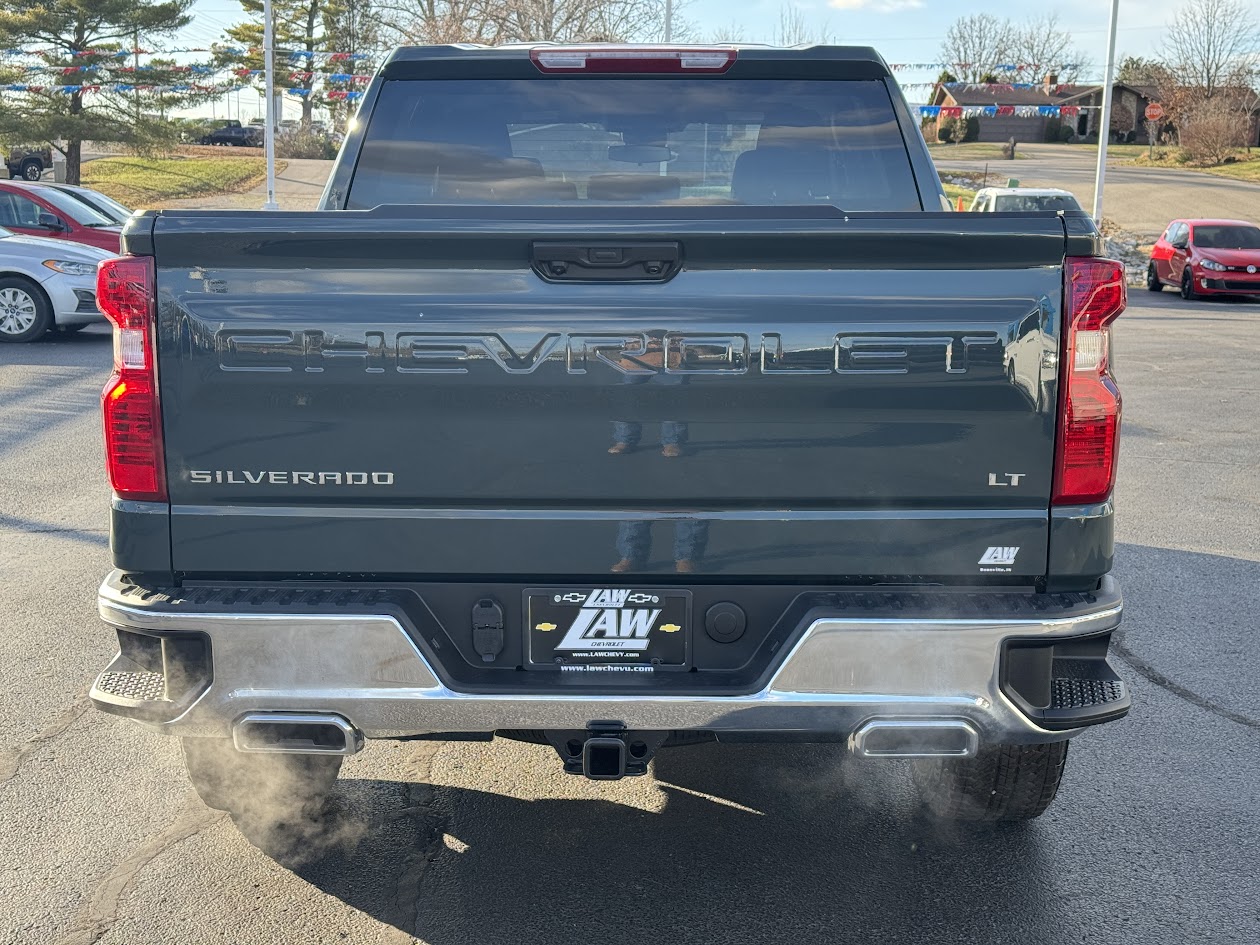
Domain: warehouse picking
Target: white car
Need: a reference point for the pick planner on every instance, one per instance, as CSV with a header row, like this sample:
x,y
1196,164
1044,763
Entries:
x,y
46,284
1022,200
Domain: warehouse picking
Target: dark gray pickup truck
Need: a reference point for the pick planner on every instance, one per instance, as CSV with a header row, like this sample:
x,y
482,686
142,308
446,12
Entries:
x,y
617,398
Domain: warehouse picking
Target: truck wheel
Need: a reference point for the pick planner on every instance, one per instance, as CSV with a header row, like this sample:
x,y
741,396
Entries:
x,y
25,313
256,785
1003,782
1152,279
32,170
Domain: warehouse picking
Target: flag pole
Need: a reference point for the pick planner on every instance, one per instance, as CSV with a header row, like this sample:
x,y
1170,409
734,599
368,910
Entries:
x,y
1104,128
269,131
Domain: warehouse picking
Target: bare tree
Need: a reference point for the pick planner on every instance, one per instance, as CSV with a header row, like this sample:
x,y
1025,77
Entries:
x,y
976,44
730,33
794,30
411,22
581,20
510,21
1212,130
1044,47
1210,39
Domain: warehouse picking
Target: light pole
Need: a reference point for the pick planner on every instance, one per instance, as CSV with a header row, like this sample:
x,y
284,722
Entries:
x,y
269,129
1104,127
669,20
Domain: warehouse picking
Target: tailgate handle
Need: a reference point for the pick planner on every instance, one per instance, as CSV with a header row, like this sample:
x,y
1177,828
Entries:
x,y
607,262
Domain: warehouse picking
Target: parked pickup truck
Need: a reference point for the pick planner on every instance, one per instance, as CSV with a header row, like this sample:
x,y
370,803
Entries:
x,y
617,398
28,163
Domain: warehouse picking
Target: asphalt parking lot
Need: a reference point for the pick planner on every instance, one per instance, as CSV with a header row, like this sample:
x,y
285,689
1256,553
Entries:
x,y
1155,837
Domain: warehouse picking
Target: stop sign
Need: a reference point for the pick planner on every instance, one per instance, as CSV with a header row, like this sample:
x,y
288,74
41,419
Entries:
x,y
1154,111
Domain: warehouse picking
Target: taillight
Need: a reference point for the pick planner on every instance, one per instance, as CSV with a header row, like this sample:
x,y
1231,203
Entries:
x,y
623,59
129,403
1094,295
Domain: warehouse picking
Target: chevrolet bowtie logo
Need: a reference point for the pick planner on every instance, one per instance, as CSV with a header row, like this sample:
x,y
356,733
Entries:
x,y
670,628
545,626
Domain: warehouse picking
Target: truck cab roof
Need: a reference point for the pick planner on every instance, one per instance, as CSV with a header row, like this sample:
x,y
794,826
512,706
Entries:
x,y
749,60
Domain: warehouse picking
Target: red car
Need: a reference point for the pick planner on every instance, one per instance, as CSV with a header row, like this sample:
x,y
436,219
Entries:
x,y
40,210
1207,257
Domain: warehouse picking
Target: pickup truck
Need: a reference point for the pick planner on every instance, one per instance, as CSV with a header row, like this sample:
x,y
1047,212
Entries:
x,y
28,163
616,398
234,135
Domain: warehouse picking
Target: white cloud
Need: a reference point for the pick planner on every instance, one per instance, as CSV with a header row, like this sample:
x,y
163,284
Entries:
x,y
876,6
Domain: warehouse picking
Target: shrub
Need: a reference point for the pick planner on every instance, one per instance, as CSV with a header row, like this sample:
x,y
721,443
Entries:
x,y
1211,131
304,143
1058,132
958,130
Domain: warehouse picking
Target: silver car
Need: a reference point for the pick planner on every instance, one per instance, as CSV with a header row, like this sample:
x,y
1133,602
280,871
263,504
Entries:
x,y
46,284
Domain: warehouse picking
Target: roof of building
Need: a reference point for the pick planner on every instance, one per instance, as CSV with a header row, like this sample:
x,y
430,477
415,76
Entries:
x,y
963,93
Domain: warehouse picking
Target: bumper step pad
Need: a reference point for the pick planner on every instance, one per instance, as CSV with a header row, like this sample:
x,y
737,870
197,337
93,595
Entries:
x,y
133,687
1067,693
155,676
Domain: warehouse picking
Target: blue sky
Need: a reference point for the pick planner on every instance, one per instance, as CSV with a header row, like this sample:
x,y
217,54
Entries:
x,y
902,30
910,30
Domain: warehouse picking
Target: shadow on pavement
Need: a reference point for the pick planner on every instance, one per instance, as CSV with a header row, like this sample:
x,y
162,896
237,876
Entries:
x,y
775,843
754,844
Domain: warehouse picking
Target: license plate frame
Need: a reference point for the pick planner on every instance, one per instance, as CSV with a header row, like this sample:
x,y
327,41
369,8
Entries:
x,y
608,623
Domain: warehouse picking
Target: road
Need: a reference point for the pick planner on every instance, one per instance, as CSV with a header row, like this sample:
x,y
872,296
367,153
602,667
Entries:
x,y
1139,199
298,187
1154,838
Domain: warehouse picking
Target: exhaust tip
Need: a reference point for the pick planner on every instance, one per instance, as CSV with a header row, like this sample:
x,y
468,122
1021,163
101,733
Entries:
x,y
915,738
296,733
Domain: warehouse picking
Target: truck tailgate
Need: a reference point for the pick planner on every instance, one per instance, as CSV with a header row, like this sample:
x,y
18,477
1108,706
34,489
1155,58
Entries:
x,y
870,395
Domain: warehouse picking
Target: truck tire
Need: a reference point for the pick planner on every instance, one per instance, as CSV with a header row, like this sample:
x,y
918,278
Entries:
x,y
1002,783
255,785
32,170
25,312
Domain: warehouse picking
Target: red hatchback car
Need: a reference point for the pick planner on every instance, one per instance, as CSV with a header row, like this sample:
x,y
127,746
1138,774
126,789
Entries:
x,y
37,210
1207,257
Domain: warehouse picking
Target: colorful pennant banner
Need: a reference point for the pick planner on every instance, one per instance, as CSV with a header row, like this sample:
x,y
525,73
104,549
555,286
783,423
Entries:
x,y
295,54
342,95
1003,67
1003,111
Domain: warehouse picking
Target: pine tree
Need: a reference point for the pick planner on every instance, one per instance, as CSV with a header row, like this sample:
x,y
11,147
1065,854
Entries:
x,y
86,53
300,34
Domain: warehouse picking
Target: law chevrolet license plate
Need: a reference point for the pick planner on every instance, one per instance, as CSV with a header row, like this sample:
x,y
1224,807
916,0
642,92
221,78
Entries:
x,y
607,629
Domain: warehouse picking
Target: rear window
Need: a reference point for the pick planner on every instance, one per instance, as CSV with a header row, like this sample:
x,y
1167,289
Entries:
x,y
1035,203
634,141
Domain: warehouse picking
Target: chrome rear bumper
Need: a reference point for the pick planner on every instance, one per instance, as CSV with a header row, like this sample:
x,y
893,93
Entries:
x,y
841,674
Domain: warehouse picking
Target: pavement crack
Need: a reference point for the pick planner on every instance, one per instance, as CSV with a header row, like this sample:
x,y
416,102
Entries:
x,y
11,761
1151,674
429,826
101,912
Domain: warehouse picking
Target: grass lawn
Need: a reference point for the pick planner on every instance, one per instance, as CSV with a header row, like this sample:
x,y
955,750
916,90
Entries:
x,y
953,192
150,183
1247,167
971,151
1243,170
